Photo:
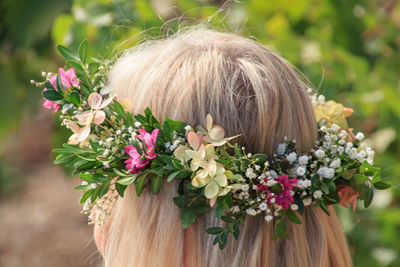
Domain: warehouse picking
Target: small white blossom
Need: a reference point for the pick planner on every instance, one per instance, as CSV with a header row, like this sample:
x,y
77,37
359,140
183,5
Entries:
x,y
251,211
263,206
236,209
188,128
249,155
317,194
245,187
93,185
257,167
321,100
250,173
303,160
106,164
325,172
335,163
272,200
301,171
323,128
281,149
294,207
271,182
84,183
319,153
307,201
268,218
360,136
291,157
335,128
273,173
137,124
106,152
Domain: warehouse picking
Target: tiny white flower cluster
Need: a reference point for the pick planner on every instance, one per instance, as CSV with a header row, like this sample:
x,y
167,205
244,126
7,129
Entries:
x,y
172,146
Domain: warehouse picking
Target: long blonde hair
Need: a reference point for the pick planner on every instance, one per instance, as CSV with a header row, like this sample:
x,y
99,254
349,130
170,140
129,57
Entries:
x,y
248,89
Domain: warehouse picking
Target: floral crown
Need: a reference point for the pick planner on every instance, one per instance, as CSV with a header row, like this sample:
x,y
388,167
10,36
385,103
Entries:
x,y
111,149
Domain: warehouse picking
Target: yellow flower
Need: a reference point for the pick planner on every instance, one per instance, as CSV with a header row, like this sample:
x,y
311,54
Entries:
x,y
333,113
212,176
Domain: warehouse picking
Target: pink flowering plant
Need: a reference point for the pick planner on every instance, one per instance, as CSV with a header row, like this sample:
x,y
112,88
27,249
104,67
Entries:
x,y
111,149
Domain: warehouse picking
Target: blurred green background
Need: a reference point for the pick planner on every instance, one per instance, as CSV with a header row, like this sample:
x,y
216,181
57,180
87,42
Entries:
x,y
350,50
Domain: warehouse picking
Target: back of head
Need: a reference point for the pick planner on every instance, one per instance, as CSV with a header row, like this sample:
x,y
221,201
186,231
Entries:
x,y
249,90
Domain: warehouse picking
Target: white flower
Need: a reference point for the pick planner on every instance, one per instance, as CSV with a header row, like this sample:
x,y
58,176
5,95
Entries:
x,y
273,173
106,152
84,183
294,207
251,211
130,129
272,200
106,164
93,185
340,150
250,173
188,128
292,157
271,182
323,128
325,172
268,218
342,134
335,163
236,209
257,167
281,149
341,142
263,206
360,136
245,187
301,171
317,194
349,145
319,153
307,201
303,160
335,128
137,124
321,100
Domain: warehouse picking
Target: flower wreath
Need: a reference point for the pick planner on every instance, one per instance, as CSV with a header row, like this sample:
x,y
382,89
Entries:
x,y
110,149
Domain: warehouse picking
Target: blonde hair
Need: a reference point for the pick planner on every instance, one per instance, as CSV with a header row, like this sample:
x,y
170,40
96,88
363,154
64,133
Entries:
x,y
248,89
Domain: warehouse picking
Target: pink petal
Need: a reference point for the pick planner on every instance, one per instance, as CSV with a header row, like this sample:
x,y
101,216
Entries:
x,y
95,100
106,102
193,140
99,117
83,133
85,117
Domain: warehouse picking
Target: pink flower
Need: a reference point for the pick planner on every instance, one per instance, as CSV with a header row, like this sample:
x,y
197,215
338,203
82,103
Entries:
x,y
281,190
51,104
68,79
347,195
136,162
150,141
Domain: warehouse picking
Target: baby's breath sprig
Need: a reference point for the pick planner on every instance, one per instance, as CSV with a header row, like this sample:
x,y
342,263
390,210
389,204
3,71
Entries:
x,y
111,149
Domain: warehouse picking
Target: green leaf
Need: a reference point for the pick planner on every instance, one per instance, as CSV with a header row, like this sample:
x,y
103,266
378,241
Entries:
x,y
280,229
348,174
140,184
75,98
120,189
382,185
103,189
119,109
85,196
59,84
214,230
172,175
126,180
77,66
368,196
83,50
52,95
66,52
293,217
324,207
360,178
48,85
368,169
82,187
156,182
177,126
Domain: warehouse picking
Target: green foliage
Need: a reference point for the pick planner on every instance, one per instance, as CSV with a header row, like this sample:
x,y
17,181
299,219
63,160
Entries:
x,y
348,49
